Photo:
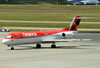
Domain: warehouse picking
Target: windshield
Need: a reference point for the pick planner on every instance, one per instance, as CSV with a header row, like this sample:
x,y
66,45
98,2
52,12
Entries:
x,y
10,37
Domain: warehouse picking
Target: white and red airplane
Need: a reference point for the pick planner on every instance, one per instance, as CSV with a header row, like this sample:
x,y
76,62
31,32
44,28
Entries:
x,y
38,37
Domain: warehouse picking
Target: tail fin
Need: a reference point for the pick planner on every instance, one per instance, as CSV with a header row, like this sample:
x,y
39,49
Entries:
x,y
75,23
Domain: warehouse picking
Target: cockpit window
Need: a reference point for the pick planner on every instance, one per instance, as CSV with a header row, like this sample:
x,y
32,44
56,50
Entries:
x,y
10,36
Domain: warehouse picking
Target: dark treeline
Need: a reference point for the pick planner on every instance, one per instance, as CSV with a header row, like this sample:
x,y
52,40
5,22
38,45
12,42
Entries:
x,y
55,2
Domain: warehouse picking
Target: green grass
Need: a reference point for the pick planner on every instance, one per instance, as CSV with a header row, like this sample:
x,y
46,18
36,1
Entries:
x,y
90,26
48,17
49,9
48,13
47,25
89,31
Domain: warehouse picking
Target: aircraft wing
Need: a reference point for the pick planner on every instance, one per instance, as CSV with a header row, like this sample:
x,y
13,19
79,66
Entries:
x,y
66,40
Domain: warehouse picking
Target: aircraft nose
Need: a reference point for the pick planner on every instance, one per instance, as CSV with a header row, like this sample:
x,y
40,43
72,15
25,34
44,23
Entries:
x,y
5,41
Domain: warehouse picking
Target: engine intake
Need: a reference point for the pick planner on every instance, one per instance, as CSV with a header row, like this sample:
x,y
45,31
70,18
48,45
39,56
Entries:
x,y
63,34
67,35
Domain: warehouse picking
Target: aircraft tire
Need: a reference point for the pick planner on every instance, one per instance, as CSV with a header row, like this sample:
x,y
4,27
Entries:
x,y
8,45
53,46
12,48
38,46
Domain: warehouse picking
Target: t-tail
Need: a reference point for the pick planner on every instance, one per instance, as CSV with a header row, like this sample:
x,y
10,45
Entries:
x,y
74,24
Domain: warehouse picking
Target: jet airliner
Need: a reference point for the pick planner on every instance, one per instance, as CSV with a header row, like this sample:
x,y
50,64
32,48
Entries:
x,y
39,37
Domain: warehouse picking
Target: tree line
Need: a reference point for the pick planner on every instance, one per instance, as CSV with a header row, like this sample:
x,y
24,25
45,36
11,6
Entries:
x,y
55,2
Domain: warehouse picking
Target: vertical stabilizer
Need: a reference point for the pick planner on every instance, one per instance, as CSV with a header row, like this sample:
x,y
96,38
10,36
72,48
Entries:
x,y
74,24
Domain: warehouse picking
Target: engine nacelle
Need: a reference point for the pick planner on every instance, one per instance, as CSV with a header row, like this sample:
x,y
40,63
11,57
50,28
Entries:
x,y
65,35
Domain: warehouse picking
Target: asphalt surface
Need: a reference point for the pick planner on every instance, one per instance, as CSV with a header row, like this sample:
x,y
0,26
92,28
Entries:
x,y
67,55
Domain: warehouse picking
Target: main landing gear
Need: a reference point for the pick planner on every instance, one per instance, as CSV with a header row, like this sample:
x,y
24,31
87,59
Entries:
x,y
53,45
38,45
12,48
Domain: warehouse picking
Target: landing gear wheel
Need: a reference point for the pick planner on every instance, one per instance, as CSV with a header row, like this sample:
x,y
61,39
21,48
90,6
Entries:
x,y
38,46
8,45
12,48
53,46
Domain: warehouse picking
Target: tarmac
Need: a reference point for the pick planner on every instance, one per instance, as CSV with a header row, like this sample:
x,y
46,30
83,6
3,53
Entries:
x,y
83,54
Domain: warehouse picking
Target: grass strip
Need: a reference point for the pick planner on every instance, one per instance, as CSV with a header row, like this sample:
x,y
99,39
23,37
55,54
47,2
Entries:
x,y
49,9
48,25
49,17
48,13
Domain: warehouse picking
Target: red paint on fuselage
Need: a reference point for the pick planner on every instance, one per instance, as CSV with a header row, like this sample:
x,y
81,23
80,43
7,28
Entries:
x,y
19,35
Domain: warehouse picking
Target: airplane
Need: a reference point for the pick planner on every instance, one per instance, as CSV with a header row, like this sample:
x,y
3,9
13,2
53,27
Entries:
x,y
39,37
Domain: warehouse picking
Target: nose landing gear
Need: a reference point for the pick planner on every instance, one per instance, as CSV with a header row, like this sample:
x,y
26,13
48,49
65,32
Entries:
x,y
12,48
